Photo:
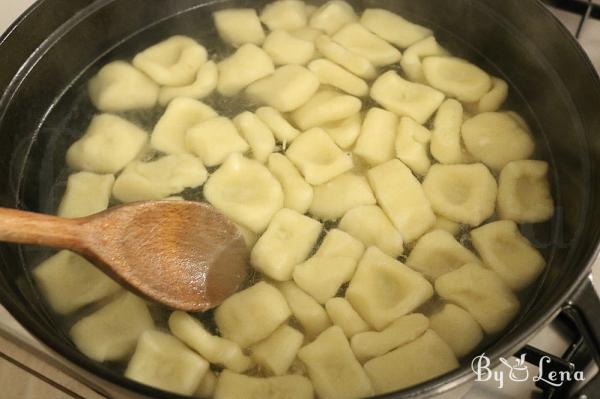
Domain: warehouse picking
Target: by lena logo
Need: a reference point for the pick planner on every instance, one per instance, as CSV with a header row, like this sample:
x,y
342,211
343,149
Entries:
x,y
519,372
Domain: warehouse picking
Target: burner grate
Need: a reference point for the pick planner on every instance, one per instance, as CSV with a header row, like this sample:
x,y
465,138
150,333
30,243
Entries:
x,y
585,8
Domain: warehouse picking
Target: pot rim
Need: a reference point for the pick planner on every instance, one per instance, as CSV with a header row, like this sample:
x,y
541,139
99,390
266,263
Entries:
x,y
439,385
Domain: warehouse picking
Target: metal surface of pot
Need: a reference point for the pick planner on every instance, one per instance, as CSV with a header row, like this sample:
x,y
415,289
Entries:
x,y
49,54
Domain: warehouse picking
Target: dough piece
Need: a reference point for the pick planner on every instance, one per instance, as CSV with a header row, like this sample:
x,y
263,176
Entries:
x,y
181,115
333,199
111,332
109,143
215,349
257,135
524,192
393,27
462,193
284,48
445,139
344,316
324,107
250,237
457,328
147,181
421,360
251,315
384,289
438,253
505,251
332,16
338,243
368,345
86,194
336,76
69,282
406,98
355,63
245,191
356,38
206,389
214,140
317,157
236,386
441,223
402,198
284,132
322,276
311,316
298,193
370,225
204,84
309,34
239,26
287,89
496,139
162,362
411,145
119,87
285,14
411,59
376,141
332,367
172,62
482,293
457,78
344,132
247,65
277,353
493,100
288,241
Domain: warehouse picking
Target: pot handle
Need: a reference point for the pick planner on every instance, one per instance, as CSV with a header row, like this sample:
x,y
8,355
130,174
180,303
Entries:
x,y
581,318
582,313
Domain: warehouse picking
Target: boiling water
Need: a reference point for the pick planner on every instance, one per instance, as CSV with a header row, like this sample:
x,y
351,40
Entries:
x,y
73,112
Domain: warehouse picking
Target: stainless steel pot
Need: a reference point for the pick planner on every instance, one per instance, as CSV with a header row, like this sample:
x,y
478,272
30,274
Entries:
x,y
49,53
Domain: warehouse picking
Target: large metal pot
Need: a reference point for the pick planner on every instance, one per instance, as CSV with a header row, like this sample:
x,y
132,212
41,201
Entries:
x,y
50,52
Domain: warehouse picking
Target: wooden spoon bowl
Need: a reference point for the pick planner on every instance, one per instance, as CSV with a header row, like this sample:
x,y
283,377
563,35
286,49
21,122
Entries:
x,y
185,255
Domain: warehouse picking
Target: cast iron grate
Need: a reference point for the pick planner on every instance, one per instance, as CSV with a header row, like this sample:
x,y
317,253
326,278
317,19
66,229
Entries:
x,y
585,8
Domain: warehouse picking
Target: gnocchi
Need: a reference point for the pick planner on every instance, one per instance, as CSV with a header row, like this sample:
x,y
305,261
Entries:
x,y
524,192
317,157
119,87
508,253
163,362
169,134
86,193
245,191
420,360
406,98
360,161
287,242
332,367
204,84
251,315
173,62
239,26
108,145
384,289
462,193
333,199
287,89
482,293
344,316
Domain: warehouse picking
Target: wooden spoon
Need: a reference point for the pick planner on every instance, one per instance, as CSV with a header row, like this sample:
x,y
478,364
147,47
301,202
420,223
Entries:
x,y
185,255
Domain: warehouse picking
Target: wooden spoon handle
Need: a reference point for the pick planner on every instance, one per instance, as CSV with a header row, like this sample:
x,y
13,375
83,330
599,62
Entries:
x,y
38,229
